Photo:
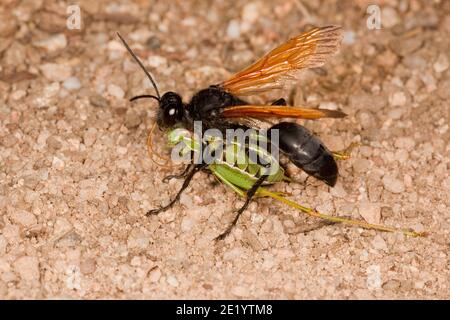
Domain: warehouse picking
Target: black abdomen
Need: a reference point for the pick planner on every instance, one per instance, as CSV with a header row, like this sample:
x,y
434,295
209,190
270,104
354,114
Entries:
x,y
307,152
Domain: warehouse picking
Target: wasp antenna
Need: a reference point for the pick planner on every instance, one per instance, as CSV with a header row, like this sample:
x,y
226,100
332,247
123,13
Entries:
x,y
141,65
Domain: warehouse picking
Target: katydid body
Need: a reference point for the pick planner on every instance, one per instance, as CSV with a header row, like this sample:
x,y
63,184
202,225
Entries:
x,y
247,182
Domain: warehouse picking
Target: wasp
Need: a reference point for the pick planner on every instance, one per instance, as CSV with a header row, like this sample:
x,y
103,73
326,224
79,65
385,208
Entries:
x,y
222,106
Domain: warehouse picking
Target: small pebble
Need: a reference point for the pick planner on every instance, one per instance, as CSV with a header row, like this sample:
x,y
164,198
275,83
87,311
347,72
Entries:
x,y
90,135
349,37
391,285
441,63
18,94
171,280
396,113
392,184
116,91
154,275
23,218
72,83
58,163
397,99
389,17
443,91
156,62
240,291
338,191
98,101
27,268
9,140
9,24
371,212
379,243
406,46
56,72
132,120
87,266
138,240
3,244
233,30
367,120
361,165
250,12
328,105
187,224
406,143
57,42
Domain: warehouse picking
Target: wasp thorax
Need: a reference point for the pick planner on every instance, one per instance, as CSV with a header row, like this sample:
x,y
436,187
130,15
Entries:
x,y
171,110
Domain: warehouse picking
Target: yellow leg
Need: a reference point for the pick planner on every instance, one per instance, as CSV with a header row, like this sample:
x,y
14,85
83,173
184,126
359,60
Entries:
x,y
359,223
345,154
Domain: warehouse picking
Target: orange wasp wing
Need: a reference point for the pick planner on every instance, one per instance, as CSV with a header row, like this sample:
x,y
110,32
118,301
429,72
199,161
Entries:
x,y
272,71
279,112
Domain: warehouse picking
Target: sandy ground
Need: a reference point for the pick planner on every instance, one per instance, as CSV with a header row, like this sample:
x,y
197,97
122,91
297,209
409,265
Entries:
x,y
76,180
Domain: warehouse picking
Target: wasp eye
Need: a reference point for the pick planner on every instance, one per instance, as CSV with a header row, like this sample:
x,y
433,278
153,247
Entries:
x,y
172,111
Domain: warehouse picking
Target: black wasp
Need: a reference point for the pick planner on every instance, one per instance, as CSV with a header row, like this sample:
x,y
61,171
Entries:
x,y
221,106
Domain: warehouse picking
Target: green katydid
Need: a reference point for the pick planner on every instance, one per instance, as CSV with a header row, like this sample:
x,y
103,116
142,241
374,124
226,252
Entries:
x,y
241,178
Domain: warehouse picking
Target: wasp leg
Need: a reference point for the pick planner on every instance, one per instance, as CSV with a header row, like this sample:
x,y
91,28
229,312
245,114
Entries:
x,y
345,154
183,174
193,170
279,102
250,194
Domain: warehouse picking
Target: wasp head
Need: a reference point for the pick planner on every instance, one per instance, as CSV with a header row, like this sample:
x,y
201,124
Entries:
x,y
171,110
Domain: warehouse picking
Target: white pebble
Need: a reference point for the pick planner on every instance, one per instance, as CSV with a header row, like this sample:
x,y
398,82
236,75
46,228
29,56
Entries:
x,y
371,212
186,224
406,143
18,94
171,280
156,61
250,12
234,29
338,191
397,99
379,243
28,268
53,43
328,105
90,136
349,37
396,113
389,17
56,72
24,218
441,63
116,91
393,185
361,165
72,83
57,163
154,275
239,291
